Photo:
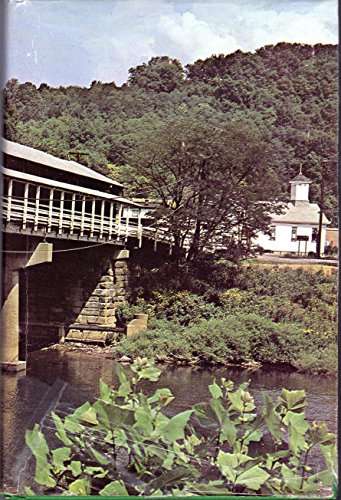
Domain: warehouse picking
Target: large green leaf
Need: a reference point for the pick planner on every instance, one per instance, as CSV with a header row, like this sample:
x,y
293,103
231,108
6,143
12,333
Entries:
x,y
236,400
36,441
72,425
232,459
59,456
114,489
111,415
254,435
29,492
318,433
329,453
272,420
171,478
175,428
75,467
228,431
297,428
215,391
162,396
291,479
293,400
252,478
232,464
80,487
96,455
150,373
96,471
105,391
143,419
86,413
61,433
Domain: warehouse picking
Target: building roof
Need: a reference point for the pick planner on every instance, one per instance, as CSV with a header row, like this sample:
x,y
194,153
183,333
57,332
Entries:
x,y
64,186
36,156
300,213
301,178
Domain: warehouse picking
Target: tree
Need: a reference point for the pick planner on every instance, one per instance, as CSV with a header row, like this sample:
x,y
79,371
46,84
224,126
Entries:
x,y
211,181
160,74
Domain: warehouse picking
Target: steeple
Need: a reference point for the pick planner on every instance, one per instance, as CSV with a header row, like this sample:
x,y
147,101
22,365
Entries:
x,y
300,187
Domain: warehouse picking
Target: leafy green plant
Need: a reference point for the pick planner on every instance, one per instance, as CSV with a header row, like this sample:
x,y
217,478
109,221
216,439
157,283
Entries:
x,y
124,444
235,339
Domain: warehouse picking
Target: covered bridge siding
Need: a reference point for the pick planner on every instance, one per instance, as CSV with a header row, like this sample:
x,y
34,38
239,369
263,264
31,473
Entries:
x,y
64,232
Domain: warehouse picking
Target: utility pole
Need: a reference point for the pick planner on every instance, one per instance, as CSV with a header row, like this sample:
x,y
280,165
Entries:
x,y
319,236
77,154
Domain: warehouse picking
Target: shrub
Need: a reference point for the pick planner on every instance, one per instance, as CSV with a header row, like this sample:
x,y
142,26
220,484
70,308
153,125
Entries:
x,y
232,339
184,307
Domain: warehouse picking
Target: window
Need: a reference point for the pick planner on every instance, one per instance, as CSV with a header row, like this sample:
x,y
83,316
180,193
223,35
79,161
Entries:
x,y
134,213
314,235
294,233
273,233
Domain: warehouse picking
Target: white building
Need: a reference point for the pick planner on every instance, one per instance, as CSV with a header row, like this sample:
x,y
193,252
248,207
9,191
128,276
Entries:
x,y
296,229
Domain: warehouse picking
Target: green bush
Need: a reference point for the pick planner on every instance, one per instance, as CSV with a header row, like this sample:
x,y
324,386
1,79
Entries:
x,y
123,444
182,307
236,339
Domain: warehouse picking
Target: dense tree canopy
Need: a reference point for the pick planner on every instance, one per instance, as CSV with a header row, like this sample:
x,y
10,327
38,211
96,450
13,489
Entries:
x,y
211,180
288,92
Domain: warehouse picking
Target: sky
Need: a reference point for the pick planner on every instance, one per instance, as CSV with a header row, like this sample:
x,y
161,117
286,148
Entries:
x,y
73,42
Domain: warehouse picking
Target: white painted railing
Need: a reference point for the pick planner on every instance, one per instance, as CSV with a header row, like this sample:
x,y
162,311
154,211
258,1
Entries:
x,y
28,214
98,218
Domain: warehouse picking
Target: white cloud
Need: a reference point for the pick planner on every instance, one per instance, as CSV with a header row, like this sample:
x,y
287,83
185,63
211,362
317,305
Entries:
x,y
193,38
77,43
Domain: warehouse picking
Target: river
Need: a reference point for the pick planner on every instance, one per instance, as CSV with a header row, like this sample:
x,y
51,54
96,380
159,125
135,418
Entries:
x,y
70,378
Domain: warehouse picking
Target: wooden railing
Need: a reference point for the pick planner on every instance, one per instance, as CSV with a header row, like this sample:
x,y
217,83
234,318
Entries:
x,y
27,214
65,213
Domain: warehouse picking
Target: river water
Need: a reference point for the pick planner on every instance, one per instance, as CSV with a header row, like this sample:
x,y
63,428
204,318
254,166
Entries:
x,y
68,379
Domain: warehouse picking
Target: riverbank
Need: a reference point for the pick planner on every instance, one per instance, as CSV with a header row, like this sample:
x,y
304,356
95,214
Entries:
x,y
111,352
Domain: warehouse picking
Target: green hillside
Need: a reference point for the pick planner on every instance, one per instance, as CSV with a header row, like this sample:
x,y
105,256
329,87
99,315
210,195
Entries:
x,y
288,92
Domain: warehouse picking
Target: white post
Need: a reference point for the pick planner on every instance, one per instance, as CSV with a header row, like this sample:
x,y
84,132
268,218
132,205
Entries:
x,y
73,205
127,225
155,241
9,199
25,205
61,213
139,229
102,219
118,221
83,216
110,219
93,217
49,220
36,215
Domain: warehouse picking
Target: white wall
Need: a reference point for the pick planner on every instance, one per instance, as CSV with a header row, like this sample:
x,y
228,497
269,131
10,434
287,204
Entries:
x,y
283,243
300,192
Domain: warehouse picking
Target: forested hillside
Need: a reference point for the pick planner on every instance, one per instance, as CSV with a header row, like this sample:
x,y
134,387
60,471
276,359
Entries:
x,y
288,92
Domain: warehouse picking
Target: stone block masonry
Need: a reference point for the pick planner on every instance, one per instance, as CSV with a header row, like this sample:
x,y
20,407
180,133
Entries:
x,y
77,288
109,292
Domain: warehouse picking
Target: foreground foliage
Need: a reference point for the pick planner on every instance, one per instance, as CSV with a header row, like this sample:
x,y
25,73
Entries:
x,y
124,444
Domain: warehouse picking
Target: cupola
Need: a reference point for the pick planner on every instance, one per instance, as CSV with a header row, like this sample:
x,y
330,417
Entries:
x,y
300,187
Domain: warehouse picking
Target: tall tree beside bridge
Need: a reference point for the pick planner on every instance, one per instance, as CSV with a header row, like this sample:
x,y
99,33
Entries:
x,y
211,181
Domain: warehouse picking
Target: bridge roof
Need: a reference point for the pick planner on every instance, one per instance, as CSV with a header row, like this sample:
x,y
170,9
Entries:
x,y
64,186
42,158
